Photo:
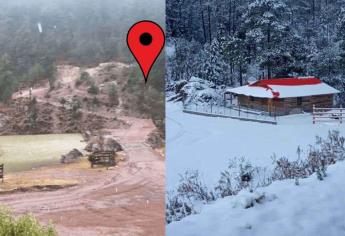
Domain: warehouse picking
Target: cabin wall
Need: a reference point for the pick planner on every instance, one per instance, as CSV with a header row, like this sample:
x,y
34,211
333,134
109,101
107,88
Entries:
x,y
286,106
322,101
260,104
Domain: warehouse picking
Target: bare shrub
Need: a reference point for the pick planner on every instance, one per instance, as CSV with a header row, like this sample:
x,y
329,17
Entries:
x,y
241,174
177,208
325,152
285,169
192,188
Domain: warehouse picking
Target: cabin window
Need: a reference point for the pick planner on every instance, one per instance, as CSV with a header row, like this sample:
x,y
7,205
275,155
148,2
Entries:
x,y
252,99
299,101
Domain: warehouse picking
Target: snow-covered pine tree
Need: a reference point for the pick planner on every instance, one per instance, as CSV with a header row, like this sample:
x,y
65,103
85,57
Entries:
x,y
236,52
266,21
212,66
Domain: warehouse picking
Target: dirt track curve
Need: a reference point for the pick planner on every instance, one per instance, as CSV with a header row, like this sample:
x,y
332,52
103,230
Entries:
x,y
128,200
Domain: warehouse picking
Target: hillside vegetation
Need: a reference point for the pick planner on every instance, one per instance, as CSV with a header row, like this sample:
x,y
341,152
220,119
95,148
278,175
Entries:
x,y
36,37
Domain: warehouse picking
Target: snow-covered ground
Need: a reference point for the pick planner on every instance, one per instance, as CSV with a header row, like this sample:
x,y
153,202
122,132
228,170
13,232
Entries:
x,y
312,208
207,143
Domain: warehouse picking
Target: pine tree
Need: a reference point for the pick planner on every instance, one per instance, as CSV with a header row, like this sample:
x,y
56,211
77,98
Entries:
x,y
237,55
33,113
214,67
268,28
7,79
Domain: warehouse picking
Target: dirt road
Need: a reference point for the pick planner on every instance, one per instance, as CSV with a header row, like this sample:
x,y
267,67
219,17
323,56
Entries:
x,y
128,200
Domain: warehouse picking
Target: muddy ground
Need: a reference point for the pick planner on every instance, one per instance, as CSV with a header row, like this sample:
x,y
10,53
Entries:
x,y
125,200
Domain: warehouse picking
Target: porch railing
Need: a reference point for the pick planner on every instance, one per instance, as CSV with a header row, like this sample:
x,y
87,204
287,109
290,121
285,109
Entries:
x,y
234,112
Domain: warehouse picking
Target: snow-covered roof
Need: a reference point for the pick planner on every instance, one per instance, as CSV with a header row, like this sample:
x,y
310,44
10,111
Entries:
x,y
285,88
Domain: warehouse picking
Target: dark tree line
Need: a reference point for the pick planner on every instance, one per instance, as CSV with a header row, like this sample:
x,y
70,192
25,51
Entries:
x,y
231,41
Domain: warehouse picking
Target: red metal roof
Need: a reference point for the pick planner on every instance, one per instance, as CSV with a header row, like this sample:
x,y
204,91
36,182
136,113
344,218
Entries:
x,y
265,83
285,88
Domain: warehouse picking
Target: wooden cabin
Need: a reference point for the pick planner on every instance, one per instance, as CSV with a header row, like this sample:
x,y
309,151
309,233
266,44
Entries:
x,y
283,96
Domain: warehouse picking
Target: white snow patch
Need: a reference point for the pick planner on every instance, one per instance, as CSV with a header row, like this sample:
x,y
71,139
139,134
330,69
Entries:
x,y
313,208
207,143
170,50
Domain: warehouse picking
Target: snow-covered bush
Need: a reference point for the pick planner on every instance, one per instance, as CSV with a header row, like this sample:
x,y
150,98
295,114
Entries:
x,y
190,192
176,208
196,91
286,169
192,188
325,152
239,175
332,148
200,91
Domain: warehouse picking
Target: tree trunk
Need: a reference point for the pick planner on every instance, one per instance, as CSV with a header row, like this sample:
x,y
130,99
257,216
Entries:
x,y
233,18
203,21
269,72
269,67
209,22
241,77
229,19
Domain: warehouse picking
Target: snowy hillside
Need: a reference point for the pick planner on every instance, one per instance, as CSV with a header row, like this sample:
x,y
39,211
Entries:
x,y
312,208
231,43
207,143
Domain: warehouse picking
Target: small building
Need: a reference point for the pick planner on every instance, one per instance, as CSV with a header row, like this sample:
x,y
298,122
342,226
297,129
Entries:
x,y
283,96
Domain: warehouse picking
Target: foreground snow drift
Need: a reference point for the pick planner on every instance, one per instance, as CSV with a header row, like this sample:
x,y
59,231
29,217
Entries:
x,y
312,208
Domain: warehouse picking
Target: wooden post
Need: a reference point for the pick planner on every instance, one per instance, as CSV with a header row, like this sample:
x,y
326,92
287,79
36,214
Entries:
x,y
313,113
269,104
341,114
2,172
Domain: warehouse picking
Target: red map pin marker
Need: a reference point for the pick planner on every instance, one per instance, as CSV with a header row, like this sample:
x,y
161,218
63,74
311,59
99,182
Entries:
x,y
145,39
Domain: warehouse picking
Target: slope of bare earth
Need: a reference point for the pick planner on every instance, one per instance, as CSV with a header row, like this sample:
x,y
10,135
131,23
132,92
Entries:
x,y
56,117
126,200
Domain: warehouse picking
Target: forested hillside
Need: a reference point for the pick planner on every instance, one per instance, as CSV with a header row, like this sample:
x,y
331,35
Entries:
x,y
229,42
36,35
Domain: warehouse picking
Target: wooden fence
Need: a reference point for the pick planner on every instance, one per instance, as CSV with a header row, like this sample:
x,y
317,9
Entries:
x,y
322,114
